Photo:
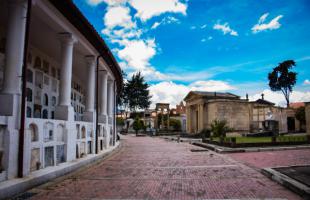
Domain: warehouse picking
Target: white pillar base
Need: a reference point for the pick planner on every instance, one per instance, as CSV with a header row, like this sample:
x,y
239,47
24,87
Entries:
x,y
102,119
88,116
8,101
64,113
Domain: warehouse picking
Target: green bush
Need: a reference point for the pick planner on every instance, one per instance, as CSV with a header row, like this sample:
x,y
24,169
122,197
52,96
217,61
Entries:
x,y
120,121
176,124
138,125
205,133
219,129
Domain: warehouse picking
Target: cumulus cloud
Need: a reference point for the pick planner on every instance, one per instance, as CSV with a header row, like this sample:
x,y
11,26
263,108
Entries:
x,y
109,2
118,16
271,25
278,97
150,8
225,28
306,82
166,20
173,93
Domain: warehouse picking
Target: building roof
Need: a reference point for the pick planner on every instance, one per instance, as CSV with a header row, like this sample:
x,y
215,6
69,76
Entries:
x,y
77,19
297,104
263,101
212,94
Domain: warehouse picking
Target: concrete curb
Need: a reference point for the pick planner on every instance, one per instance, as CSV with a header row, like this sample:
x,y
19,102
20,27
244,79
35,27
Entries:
x,y
189,140
16,186
295,186
220,149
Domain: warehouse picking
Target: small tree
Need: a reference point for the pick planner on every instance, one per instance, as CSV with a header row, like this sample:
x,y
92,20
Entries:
x,y
137,125
220,128
282,79
137,93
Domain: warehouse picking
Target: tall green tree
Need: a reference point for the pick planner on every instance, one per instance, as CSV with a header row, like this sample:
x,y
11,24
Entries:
x,y
137,93
283,79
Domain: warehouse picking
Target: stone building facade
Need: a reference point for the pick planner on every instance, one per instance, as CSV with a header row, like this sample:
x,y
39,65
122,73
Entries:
x,y
241,114
60,119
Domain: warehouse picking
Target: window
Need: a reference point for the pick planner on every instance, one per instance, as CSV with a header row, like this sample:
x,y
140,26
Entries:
x,y
29,94
49,156
29,112
45,99
53,101
83,132
60,133
29,76
48,132
37,63
37,111
34,133
46,66
52,115
45,114
38,79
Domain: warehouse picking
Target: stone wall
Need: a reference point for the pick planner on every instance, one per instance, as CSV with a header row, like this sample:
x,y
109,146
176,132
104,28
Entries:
x,y
236,113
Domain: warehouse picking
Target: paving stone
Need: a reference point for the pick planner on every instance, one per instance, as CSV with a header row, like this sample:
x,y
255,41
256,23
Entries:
x,y
153,168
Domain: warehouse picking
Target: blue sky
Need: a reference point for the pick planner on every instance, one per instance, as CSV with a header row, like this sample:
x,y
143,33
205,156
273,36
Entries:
x,y
228,45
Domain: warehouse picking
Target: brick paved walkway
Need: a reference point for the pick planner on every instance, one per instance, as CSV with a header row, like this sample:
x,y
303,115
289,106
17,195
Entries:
x,y
274,158
152,168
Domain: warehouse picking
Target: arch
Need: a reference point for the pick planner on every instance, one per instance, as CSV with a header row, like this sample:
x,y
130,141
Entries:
x,y
29,112
39,79
37,63
45,99
29,76
45,114
83,132
78,135
34,132
48,131
60,133
29,94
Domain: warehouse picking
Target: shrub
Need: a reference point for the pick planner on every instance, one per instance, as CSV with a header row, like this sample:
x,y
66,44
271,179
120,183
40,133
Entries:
x,y
176,124
219,129
205,133
138,125
120,121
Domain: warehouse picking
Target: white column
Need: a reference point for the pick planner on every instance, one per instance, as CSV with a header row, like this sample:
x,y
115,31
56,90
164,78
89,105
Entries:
x,y
64,110
104,93
90,93
90,96
110,97
15,46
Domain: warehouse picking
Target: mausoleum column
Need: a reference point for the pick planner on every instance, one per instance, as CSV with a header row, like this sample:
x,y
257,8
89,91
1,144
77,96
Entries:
x,y
104,93
14,46
90,93
111,98
90,83
64,110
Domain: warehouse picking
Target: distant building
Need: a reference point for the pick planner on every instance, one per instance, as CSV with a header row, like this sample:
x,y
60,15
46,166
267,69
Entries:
x,y
293,124
241,114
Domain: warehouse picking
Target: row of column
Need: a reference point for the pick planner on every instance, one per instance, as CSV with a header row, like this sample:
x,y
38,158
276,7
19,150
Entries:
x,y
106,86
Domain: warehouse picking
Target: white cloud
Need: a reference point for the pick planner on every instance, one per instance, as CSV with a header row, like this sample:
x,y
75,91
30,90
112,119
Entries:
x,y
193,27
203,40
109,2
225,28
307,82
278,97
155,25
272,25
203,26
170,92
210,38
118,16
150,8
166,20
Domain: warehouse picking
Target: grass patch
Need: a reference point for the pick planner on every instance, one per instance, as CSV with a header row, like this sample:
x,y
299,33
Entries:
x,y
288,138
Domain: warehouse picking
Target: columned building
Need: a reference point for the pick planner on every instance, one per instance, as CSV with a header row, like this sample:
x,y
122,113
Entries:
x,y
244,116
61,107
